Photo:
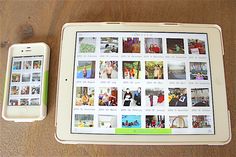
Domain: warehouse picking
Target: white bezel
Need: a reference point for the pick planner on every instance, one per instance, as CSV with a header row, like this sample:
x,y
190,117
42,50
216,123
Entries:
x,y
65,79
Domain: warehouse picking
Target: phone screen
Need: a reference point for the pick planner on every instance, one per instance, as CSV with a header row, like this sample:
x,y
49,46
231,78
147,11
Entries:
x,y
142,83
26,81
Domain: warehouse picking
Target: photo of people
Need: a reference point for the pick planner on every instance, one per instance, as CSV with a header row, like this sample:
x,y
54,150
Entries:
x,y
155,121
178,121
200,97
131,121
84,120
198,71
109,44
87,44
15,90
25,90
201,121
108,70
86,69
16,65
131,45
176,70
27,65
131,69
35,77
85,96
14,102
131,96
25,77
35,90
108,96
175,46
37,64
196,46
177,97
24,102
154,70
107,121
15,77
34,102
154,97
153,45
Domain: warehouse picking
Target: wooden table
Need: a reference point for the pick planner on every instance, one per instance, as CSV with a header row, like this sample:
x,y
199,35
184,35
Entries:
x,y
34,20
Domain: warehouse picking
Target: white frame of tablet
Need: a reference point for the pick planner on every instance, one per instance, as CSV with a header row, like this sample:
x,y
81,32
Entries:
x,y
25,113
65,79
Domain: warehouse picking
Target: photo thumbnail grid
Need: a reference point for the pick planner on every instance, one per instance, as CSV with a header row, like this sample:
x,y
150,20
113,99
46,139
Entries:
x,y
146,80
25,81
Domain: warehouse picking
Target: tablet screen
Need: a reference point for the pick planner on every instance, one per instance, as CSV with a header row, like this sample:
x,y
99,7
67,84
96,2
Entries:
x,y
142,83
26,80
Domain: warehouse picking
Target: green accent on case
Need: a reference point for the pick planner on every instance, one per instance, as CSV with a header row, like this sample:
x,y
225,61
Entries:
x,y
45,89
143,131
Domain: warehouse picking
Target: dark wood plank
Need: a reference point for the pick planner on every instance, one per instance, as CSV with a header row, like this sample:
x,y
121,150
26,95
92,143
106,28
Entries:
x,y
35,20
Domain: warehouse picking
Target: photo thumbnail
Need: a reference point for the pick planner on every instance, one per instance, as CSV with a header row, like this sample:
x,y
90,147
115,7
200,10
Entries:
x,y
196,46
131,121
154,70
177,97
108,96
85,96
86,69
107,121
154,97
131,45
200,97
109,44
131,96
175,46
198,71
108,70
176,70
87,44
84,120
155,121
178,121
153,45
131,69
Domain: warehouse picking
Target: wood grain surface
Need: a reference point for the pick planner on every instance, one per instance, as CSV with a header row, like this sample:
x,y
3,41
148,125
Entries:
x,y
42,20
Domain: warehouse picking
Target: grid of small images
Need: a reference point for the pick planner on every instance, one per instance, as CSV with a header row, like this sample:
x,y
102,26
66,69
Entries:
x,y
25,83
142,80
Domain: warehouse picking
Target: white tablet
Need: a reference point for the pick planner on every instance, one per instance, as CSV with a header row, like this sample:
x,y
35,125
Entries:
x,y
141,83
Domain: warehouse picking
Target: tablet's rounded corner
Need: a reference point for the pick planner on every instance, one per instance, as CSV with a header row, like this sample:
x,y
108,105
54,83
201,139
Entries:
x,y
66,26
227,140
229,135
217,27
58,138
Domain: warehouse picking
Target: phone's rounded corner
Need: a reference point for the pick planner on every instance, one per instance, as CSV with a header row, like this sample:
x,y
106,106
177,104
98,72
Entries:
x,y
4,116
12,46
46,46
11,49
42,117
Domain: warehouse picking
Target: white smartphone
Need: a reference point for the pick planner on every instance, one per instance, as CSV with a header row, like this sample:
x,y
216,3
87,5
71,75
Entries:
x,y
26,82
